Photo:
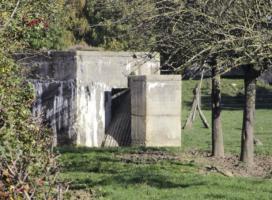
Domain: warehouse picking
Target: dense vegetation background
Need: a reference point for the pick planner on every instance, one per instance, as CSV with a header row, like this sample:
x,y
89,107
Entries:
x,y
27,165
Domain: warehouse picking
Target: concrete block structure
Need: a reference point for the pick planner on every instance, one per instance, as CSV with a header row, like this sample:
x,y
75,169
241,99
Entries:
x,y
155,110
74,90
98,98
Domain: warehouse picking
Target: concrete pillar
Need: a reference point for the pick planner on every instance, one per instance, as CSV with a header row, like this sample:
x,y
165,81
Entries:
x,y
155,110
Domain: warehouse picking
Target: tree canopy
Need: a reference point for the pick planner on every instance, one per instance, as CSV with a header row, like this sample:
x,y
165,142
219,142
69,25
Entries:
x,y
235,32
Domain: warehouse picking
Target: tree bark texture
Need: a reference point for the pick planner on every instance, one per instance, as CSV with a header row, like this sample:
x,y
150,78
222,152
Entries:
x,y
247,140
217,134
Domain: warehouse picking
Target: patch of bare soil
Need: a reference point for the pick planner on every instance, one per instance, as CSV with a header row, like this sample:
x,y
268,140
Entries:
x,y
147,157
227,166
79,195
231,166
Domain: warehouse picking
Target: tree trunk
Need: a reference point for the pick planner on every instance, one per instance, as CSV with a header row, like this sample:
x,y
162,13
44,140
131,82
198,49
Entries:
x,y
217,134
247,141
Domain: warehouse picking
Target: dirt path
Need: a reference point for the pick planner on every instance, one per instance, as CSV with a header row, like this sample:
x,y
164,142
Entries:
x,y
228,166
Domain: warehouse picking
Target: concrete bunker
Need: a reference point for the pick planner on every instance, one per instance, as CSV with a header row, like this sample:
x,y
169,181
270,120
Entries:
x,y
85,98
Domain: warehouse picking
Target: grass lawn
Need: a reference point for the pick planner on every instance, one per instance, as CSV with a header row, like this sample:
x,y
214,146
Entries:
x,y
108,174
232,116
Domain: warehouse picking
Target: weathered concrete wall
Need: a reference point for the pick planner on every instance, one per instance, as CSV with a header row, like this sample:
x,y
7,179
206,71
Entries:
x,y
54,78
55,104
155,110
74,89
99,73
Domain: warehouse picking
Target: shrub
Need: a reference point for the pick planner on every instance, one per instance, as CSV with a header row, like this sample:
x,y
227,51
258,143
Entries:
x,y
28,166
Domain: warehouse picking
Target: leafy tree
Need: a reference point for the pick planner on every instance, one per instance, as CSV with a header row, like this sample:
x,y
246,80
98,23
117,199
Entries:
x,y
35,24
27,165
100,23
77,22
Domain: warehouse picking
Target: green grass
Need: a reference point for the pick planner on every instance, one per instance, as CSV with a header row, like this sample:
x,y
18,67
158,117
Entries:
x,y
107,176
111,178
200,138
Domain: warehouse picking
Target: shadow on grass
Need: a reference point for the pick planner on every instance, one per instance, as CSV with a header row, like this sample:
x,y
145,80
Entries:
x,y
94,160
88,167
128,178
96,164
80,150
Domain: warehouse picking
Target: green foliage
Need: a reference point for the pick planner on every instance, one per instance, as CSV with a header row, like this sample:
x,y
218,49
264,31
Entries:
x,y
35,24
39,37
28,167
101,23
78,24
102,17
